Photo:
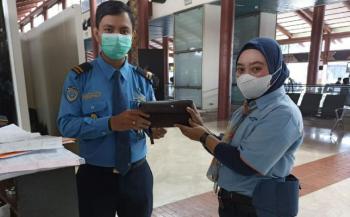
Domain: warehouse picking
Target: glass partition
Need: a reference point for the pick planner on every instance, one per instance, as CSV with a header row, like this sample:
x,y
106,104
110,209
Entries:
x,y
188,45
7,97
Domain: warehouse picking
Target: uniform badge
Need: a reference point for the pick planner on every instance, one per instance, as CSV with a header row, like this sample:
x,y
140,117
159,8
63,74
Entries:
x,y
72,94
91,95
138,96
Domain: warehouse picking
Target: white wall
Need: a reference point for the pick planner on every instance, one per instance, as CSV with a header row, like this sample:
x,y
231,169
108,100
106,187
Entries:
x,y
267,27
51,50
211,52
173,6
14,45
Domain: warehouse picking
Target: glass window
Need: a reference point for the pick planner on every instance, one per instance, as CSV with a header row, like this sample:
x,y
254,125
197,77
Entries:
x,y
53,11
72,2
189,30
85,4
7,96
336,70
298,72
340,44
26,28
303,47
192,94
188,69
38,20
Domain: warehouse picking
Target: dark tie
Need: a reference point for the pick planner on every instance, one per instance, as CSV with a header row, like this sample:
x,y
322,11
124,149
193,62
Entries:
x,y
123,152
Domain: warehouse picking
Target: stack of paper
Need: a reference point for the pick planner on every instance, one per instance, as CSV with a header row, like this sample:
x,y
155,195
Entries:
x,y
22,152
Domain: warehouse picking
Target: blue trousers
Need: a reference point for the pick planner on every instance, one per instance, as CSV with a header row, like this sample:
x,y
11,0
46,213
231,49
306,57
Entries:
x,y
103,193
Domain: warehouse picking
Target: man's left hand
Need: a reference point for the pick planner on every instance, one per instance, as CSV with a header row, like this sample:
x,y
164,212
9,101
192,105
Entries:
x,y
158,132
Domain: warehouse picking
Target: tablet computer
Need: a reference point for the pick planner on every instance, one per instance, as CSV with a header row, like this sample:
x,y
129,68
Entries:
x,y
167,113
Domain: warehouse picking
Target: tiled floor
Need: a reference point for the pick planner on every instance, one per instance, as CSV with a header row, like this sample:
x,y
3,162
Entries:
x,y
313,176
181,188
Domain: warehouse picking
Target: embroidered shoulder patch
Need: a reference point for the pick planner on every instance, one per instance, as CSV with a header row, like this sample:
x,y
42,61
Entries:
x,y
72,94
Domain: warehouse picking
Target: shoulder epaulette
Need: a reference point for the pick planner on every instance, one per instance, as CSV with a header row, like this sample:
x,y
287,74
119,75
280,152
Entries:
x,y
144,73
84,67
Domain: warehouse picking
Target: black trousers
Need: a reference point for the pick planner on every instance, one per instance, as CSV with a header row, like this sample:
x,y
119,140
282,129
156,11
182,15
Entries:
x,y
232,204
103,193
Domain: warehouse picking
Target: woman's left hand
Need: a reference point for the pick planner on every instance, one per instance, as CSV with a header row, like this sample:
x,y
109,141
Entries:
x,y
194,132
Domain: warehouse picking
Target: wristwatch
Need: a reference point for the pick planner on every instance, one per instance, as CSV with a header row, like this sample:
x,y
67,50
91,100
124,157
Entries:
x,y
203,138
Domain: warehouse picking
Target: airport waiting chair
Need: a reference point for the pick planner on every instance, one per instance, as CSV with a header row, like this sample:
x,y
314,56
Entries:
x,y
340,114
310,104
294,97
331,104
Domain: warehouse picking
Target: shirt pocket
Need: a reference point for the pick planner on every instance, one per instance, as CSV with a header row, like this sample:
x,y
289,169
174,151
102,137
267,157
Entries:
x,y
137,135
95,109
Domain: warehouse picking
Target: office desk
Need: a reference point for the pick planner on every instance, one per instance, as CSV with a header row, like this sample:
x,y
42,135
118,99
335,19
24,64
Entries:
x,y
50,193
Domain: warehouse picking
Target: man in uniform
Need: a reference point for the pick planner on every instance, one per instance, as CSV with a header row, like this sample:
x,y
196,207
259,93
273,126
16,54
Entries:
x,y
99,106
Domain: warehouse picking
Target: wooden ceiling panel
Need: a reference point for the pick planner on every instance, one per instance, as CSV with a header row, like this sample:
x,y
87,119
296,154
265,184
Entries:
x,y
340,24
338,20
300,26
338,15
292,23
27,2
336,11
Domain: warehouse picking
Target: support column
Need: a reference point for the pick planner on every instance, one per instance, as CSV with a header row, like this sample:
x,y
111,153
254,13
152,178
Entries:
x,y
142,28
133,54
64,4
226,38
327,45
140,10
93,25
166,61
31,22
45,13
316,44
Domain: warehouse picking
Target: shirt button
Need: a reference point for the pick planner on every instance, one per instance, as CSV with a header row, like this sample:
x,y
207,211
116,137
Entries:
x,y
92,107
103,133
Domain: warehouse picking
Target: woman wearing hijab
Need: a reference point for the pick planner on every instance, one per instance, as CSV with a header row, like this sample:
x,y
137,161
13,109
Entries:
x,y
262,135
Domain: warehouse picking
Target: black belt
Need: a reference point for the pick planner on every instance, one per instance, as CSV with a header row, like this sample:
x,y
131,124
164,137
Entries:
x,y
234,197
134,165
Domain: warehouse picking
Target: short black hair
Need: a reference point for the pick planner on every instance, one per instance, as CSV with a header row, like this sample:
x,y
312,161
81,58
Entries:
x,y
113,8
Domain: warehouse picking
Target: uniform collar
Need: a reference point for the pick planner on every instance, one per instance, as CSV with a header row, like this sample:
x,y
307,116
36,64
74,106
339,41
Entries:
x,y
109,71
269,98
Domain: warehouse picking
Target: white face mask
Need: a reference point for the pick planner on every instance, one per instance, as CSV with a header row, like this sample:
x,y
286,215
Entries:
x,y
253,87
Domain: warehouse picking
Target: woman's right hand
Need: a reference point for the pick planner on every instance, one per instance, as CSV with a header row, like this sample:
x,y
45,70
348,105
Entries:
x,y
195,116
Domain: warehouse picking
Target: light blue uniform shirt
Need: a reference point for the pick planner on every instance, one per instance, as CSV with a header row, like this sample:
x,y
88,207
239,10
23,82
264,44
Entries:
x,y
86,106
267,140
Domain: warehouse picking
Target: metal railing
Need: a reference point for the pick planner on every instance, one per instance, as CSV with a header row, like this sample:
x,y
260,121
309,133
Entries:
x,y
328,88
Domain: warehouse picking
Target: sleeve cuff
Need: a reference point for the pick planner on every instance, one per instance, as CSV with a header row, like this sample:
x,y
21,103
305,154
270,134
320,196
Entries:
x,y
102,124
259,167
